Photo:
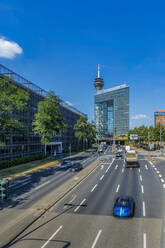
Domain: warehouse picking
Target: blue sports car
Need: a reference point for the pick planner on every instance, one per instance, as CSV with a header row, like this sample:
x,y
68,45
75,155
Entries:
x,y
124,206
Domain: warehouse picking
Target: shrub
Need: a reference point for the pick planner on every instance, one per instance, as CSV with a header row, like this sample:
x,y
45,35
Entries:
x,y
16,161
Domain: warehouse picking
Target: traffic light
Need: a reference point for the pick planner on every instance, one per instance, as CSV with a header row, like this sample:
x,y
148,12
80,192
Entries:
x,y
4,189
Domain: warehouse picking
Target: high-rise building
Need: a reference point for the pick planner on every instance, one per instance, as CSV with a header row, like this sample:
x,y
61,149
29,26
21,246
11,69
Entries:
x,y
111,109
159,117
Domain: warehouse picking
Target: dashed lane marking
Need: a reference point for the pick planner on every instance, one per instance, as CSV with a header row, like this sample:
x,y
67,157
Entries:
x,y
144,240
162,180
163,185
146,167
79,205
101,177
93,188
96,239
142,189
117,188
140,178
52,236
144,209
160,175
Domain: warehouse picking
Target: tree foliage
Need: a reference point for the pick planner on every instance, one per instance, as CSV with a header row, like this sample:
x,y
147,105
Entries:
x,y
12,98
84,130
48,121
151,133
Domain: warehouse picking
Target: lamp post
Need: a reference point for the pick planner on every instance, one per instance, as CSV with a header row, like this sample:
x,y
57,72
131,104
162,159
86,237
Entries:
x,y
160,138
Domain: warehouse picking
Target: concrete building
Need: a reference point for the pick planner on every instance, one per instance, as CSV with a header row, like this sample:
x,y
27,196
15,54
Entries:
x,y
159,117
18,145
111,110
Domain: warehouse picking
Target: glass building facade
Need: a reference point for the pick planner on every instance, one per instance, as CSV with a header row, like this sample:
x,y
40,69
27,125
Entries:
x,y
18,145
112,111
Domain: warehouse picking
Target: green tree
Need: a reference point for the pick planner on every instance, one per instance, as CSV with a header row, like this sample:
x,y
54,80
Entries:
x,y
80,129
48,120
12,98
91,132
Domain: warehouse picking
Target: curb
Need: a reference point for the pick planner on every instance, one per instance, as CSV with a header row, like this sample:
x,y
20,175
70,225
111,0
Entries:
x,y
15,230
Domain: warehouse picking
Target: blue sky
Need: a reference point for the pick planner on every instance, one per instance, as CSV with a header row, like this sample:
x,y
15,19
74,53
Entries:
x,y
61,43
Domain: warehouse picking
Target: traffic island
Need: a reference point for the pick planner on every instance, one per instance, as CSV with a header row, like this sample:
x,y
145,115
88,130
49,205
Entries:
x,y
29,216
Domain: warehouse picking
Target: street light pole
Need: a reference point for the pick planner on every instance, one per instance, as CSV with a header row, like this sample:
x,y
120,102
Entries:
x,y
160,137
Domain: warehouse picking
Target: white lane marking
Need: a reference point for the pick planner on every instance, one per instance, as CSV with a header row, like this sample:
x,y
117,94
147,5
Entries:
x,y
102,166
162,180
146,167
160,175
106,170
52,236
122,170
79,205
101,177
140,178
144,240
142,189
93,188
163,185
116,167
144,209
157,172
117,188
130,168
96,239
42,185
139,170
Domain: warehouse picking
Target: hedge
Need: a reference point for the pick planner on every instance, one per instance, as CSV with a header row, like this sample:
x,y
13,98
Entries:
x,y
16,161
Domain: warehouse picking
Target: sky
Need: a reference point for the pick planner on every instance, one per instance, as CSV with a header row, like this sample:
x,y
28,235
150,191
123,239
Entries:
x,y
58,44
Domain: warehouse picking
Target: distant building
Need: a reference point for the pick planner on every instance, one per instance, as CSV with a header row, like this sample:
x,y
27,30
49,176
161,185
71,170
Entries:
x,y
159,117
18,145
111,109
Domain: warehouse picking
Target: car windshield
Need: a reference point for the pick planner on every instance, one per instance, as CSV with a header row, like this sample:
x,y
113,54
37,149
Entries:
x,y
64,162
75,165
123,202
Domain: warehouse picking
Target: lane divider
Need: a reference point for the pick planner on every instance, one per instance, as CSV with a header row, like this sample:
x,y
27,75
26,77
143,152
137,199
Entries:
x,y
117,188
144,209
52,236
96,239
142,189
93,188
101,177
144,240
79,205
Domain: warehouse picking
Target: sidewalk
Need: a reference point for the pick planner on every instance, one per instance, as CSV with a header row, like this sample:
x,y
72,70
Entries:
x,y
23,219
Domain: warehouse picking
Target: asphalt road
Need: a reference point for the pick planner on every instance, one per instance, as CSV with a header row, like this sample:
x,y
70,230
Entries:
x,y
84,217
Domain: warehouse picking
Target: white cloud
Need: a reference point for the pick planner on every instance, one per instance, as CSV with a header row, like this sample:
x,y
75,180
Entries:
x,y
69,103
9,49
139,116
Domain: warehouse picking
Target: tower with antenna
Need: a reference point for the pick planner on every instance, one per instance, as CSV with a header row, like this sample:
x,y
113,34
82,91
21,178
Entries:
x,y
98,82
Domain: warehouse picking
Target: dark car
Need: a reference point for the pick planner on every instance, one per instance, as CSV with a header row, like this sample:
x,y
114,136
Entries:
x,y
118,155
65,164
76,167
124,206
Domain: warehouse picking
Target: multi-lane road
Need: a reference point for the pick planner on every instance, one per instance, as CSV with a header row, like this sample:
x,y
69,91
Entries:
x,y
84,218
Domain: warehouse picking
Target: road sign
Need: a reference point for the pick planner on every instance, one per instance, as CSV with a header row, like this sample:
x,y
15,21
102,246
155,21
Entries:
x,y
133,137
122,137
